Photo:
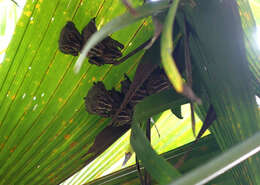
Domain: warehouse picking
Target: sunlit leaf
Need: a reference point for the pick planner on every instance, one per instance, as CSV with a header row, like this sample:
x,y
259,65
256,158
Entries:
x,y
45,130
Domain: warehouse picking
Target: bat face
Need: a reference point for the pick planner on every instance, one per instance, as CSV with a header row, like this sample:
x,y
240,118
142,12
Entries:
x,y
70,41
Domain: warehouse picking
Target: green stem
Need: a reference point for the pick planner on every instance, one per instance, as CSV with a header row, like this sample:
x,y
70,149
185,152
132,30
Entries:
x,y
221,164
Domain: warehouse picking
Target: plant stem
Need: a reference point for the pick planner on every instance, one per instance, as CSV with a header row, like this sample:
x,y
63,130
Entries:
x,y
221,164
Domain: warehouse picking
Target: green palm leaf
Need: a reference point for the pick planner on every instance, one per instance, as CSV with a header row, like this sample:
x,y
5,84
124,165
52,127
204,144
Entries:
x,y
45,131
44,128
